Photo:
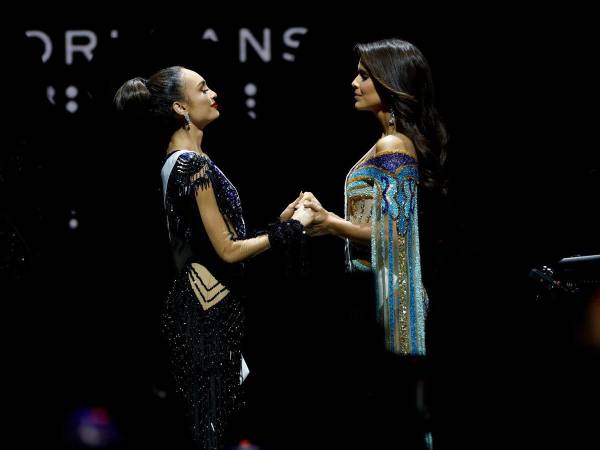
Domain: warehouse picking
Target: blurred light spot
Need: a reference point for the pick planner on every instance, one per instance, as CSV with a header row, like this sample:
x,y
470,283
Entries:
x,y
245,444
160,393
91,428
50,93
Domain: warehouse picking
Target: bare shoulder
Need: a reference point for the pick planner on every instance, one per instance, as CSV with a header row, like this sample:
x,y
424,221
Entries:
x,y
395,143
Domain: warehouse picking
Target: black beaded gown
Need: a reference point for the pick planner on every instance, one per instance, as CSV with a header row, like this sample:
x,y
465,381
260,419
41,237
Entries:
x,y
203,317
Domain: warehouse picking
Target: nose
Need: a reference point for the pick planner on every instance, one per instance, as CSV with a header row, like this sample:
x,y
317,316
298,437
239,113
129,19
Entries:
x,y
355,83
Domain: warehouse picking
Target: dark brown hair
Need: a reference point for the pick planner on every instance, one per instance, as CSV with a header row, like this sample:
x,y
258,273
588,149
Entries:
x,y
402,78
153,98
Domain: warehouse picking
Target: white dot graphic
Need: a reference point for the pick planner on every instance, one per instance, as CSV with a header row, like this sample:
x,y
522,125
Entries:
x,y
72,92
72,106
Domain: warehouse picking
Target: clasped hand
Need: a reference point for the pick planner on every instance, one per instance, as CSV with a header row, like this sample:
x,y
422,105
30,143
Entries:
x,y
308,210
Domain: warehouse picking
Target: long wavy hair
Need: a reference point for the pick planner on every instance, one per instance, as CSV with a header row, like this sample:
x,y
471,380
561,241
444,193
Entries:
x,y
402,78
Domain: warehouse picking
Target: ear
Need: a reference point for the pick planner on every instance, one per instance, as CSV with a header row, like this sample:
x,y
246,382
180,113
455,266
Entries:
x,y
179,108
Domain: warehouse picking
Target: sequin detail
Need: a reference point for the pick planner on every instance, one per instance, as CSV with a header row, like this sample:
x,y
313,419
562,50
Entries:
x,y
191,173
388,183
205,359
288,244
203,317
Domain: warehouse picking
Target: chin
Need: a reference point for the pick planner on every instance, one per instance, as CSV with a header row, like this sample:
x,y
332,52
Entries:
x,y
210,120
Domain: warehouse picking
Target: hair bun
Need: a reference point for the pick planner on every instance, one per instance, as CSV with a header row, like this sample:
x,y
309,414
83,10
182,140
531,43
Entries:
x,y
133,96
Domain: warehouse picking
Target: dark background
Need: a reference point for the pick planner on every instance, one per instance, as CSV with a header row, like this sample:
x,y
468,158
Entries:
x,y
516,93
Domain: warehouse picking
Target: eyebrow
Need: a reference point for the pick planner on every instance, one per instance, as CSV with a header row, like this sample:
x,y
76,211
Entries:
x,y
203,82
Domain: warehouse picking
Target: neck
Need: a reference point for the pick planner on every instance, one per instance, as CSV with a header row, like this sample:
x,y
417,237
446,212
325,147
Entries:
x,y
186,139
383,117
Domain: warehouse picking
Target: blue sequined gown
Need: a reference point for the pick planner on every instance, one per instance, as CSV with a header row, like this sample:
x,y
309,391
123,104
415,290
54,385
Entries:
x,y
381,190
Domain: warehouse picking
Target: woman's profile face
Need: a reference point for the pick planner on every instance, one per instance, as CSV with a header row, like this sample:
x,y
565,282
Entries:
x,y
365,96
199,99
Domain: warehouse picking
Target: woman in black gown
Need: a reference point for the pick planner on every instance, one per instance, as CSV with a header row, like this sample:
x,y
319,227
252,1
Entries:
x,y
203,316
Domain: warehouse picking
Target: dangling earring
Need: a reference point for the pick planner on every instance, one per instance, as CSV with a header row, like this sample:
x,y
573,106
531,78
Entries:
x,y
188,121
392,119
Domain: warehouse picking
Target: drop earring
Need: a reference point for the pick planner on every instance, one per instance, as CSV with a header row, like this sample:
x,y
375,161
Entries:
x,y
188,121
392,119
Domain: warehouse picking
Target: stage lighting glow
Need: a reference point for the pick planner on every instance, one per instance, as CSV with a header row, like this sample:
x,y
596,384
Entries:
x,y
92,428
245,444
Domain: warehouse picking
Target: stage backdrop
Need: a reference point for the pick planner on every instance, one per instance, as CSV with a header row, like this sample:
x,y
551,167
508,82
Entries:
x,y
86,251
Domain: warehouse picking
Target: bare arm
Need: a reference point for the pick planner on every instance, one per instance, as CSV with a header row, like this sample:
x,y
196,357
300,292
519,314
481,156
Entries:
x,y
228,249
326,222
192,173
360,234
